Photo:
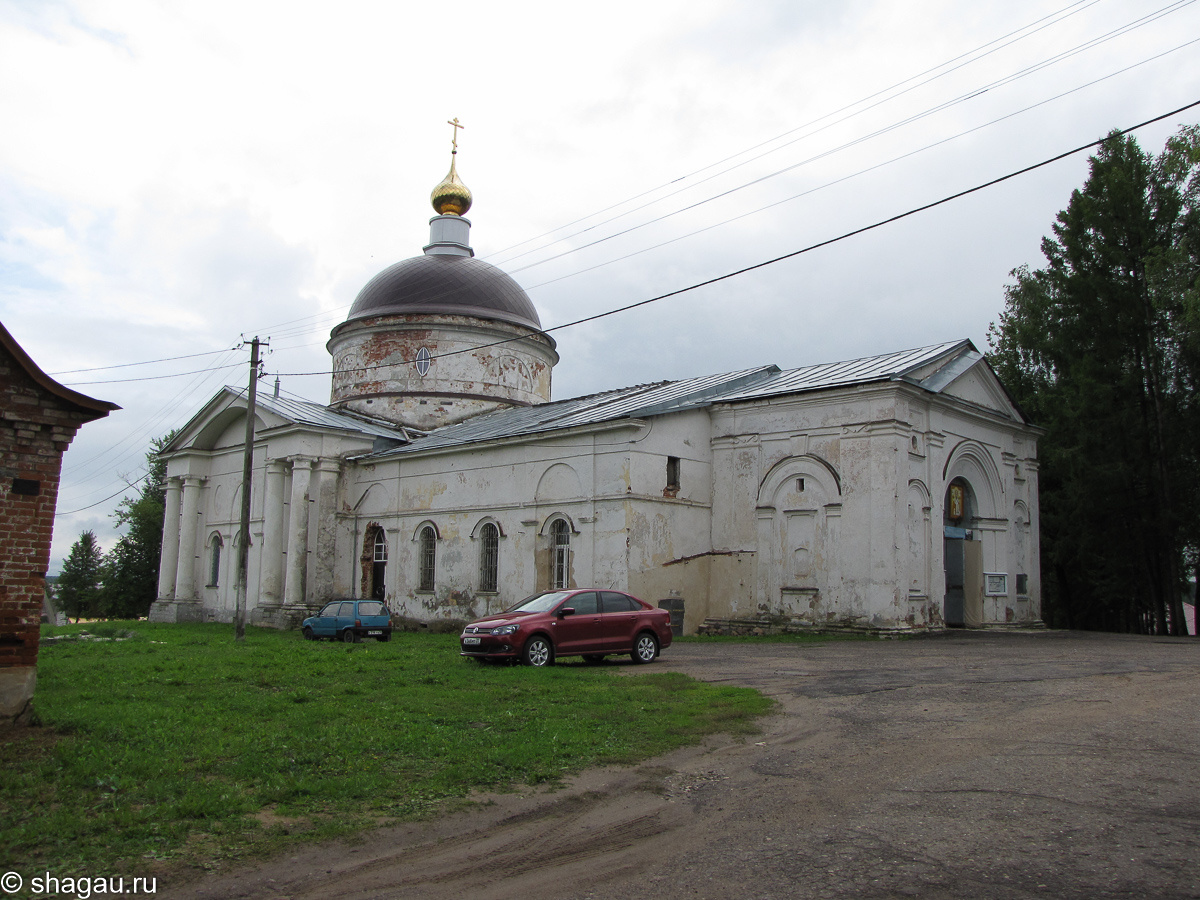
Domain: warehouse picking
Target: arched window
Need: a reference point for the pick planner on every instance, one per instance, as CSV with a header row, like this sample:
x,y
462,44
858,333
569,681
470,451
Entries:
x,y
214,560
427,558
379,565
560,573
489,557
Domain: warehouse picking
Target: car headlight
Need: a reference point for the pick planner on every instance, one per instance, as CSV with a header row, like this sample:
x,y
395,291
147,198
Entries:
x,y
505,629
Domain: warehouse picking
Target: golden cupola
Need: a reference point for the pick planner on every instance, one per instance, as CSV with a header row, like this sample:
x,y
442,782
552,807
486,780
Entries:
x,y
451,197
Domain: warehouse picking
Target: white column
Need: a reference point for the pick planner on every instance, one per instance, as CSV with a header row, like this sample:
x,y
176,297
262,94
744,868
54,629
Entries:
x,y
272,546
169,561
297,539
322,528
185,582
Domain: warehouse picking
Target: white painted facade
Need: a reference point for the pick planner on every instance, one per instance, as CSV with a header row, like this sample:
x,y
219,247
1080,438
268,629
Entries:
x,y
822,506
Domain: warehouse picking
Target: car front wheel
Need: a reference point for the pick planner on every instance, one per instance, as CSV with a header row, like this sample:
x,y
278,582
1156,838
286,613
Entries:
x,y
645,648
538,652
308,634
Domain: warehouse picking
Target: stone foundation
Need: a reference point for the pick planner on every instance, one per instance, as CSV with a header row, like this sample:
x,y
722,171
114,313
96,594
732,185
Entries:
x,y
785,625
285,618
176,611
16,694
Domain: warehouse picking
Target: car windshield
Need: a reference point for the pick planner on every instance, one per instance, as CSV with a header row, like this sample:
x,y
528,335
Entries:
x,y
539,602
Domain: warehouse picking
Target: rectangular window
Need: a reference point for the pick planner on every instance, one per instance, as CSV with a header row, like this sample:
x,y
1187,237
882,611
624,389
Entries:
x,y
1022,585
673,473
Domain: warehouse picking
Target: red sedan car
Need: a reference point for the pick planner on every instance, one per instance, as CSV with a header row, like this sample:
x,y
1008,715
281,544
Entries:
x,y
588,623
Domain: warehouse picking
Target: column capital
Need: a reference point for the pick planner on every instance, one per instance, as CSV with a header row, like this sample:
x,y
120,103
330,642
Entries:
x,y
301,460
192,480
326,464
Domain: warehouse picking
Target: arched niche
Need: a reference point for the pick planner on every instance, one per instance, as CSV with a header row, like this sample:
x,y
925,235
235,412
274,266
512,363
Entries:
x,y
972,463
559,482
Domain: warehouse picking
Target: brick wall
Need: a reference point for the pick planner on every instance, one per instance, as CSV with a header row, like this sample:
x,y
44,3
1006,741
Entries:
x,y
36,426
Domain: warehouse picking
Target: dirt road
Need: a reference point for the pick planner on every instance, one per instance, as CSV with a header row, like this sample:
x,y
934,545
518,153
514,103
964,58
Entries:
x,y
1048,764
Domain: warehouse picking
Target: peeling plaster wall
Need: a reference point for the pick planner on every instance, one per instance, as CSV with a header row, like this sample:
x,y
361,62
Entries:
x,y
816,559
469,373
610,484
818,510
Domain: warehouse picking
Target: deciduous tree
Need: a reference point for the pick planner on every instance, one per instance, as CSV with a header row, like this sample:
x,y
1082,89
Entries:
x,y
131,568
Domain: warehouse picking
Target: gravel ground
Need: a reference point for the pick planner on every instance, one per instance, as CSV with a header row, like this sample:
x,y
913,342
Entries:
x,y
981,765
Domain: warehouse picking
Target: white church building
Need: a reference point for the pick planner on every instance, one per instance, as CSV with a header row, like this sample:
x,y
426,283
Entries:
x,y
894,493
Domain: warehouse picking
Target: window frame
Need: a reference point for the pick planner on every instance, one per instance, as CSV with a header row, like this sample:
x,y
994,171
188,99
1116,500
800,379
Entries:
x,y
489,558
427,559
215,546
560,555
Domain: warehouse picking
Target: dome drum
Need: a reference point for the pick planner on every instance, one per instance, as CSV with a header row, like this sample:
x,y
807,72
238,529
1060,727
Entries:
x,y
378,367
438,338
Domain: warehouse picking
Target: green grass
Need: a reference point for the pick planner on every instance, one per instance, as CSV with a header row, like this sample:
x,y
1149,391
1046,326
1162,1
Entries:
x,y
178,746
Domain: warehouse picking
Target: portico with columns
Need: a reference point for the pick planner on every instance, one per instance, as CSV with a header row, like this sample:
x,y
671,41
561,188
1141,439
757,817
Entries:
x,y
294,489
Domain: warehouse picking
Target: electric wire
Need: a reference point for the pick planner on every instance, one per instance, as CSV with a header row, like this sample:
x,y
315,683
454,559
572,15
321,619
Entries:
x,y
929,111
994,45
770,262
1069,10
862,171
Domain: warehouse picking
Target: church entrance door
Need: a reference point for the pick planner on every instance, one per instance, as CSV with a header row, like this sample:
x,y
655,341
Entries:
x,y
955,558
964,580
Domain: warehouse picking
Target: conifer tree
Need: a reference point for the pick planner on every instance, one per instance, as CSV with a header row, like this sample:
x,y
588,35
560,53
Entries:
x,y
79,585
1100,348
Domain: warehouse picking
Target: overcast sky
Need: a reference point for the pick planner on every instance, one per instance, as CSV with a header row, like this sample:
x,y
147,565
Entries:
x,y
174,175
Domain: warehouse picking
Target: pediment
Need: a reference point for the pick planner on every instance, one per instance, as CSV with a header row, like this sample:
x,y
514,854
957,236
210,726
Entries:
x,y
221,423
979,386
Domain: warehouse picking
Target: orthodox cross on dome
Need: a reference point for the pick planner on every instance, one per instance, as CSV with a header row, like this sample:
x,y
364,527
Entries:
x,y
451,197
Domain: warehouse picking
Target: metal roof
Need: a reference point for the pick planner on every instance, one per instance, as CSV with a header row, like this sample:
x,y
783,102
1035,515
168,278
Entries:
x,y
930,367
445,285
630,402
305,412
888,367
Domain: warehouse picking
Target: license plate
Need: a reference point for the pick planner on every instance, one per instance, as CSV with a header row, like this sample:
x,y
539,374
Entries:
x,y
373,633
470,640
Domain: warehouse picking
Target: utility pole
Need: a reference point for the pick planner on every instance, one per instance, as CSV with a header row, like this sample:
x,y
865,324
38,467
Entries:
x,y
243,559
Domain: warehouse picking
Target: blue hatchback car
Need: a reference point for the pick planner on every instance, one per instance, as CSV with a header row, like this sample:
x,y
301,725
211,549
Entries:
x,y
350,621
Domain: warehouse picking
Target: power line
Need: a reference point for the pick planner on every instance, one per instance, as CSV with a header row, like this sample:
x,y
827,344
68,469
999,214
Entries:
x,y
863,171
151,377
105,500
770,262
1069,10
148,362
908,120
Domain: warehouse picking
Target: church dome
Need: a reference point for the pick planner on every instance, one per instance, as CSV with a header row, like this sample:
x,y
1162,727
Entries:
x,y
446,285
